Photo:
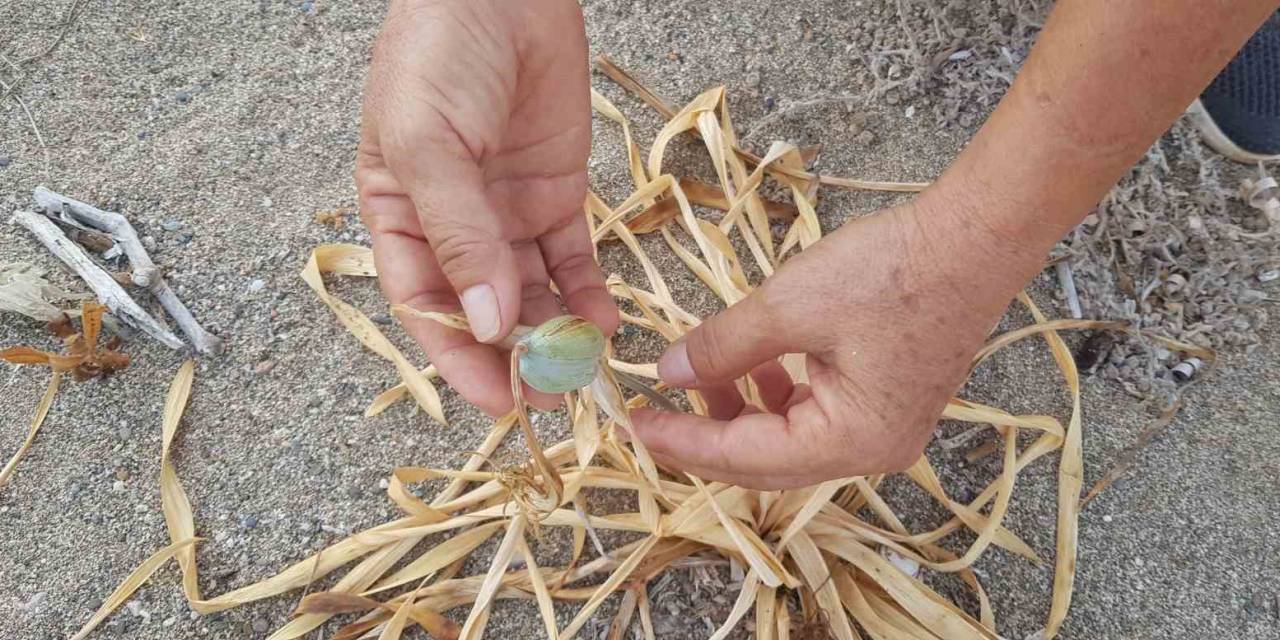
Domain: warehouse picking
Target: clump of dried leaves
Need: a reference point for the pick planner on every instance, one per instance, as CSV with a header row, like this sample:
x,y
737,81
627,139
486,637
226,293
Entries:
x,y
826,547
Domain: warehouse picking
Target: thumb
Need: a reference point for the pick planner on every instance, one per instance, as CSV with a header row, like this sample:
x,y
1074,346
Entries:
x,y
466,235
726,346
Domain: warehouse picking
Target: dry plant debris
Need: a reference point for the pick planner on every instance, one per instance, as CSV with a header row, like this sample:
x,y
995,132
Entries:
x,y
83,358
815,545
24,290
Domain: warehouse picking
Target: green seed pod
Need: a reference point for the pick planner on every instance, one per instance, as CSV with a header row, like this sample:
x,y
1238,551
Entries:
x,y
562,354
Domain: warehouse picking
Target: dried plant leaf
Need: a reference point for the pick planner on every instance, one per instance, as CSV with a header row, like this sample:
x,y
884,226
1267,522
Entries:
x,y
473,628
25,355
173,498
821,533
24,290
131,584
352,260
42,410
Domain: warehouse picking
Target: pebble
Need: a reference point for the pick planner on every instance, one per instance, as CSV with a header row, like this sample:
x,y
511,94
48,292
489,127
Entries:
x,y
383,483
865,138
122,474
769,104
381,318
34,605
257,285
1106,518
182,96
149,243
264,367
4,161
249,522
170,621
118,485
260,625
308,7
171,225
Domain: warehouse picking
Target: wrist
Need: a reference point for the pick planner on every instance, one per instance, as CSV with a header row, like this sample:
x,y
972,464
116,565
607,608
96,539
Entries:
x,y
970,250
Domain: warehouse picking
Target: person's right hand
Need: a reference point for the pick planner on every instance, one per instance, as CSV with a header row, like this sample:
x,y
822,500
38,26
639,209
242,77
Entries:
x,y
889,310
472,173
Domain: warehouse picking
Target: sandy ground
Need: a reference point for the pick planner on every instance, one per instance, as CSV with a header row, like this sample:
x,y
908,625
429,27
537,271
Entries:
x,y
221,128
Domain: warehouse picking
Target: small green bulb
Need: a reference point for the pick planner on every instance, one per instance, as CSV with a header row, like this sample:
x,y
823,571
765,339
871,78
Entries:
x,y
561,355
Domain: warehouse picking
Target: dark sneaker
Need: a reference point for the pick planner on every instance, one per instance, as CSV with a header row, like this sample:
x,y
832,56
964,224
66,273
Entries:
x,y
1239,114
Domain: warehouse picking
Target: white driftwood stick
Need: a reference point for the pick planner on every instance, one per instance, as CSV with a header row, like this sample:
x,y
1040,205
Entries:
x,y
145,272
104,286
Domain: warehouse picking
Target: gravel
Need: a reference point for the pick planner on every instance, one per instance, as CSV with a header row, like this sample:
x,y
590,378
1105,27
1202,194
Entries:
x,y
1185,544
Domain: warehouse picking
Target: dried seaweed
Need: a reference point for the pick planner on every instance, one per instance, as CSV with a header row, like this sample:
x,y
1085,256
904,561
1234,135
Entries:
x,y
813,542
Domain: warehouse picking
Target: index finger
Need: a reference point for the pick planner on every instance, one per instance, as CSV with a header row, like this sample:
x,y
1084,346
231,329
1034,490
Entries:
x,y
571,261
764,449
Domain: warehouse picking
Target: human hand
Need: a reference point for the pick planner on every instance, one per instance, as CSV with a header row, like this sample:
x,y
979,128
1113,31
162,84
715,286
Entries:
x,y
472,173
889,310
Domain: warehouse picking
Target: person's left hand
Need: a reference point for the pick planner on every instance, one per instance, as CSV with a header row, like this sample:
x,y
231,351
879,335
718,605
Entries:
x,y
472,170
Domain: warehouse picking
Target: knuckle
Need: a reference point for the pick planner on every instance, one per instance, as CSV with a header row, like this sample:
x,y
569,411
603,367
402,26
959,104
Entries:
x,y
708,352
460,249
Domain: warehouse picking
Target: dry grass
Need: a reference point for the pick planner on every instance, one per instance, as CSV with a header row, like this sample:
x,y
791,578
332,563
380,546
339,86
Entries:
x,y
820,546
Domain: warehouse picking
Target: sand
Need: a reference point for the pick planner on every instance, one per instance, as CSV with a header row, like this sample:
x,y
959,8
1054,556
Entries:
x,y
221,128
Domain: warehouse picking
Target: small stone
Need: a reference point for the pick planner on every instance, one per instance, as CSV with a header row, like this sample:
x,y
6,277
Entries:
x,y
267,202
249,522
185,237
149,243
170,621
381,318
355,492
118,485
769,104
171,225
4,161
183,96
383,483
122,474
1106,518
264,367
260,625
257,285
124,433
306,7
35,604
866,138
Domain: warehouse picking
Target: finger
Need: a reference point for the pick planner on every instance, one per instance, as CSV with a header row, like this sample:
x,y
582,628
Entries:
x,y
537,305
774,385
723,400
762,444
466,233
409,275
726,346
772,482
799,393
569,257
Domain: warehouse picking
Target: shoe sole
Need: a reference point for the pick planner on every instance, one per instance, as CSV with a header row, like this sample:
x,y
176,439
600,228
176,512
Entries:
x,y
1218,141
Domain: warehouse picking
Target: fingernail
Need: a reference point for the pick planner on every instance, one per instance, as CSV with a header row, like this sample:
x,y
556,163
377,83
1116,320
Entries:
x,y
674,367
481,305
